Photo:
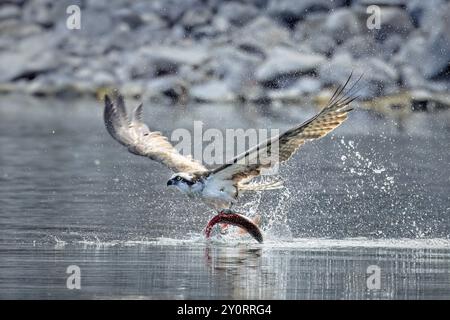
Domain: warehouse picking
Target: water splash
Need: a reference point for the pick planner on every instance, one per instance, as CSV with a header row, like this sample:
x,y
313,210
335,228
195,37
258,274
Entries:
x,y
198,240
361,166
277,226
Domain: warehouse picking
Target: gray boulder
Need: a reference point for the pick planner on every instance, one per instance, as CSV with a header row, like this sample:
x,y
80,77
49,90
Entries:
x,y
261,33
290,11
390,47
9,11
15,30
312,25
152,61
307,85
32,56
96,23
170,87
237,13
212,91
429,53
393,21
173,10
312,32
193,55
424,13
47,12
343,24
103,78
234,67
287,62
366,3
436,52
302,87
196,17
131,18
360,46
42,12
411,78
322,43
379,78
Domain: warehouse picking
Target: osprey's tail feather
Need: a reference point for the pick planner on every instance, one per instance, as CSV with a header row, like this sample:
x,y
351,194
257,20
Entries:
x,y
260,186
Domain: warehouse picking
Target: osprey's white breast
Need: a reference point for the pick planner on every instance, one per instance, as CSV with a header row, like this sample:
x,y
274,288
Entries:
x,y
219,193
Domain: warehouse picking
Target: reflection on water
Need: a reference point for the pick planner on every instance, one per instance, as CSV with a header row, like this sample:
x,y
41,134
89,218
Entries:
x,y
211,271
63,180
335,274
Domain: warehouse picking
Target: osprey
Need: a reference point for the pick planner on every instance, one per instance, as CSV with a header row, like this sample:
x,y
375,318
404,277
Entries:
x,y
219,188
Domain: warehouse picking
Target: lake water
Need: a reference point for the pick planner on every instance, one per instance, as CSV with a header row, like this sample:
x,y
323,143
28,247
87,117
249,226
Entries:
x,y
374,194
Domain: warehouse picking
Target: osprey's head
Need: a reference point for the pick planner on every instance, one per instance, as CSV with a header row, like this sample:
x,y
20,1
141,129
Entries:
x,y
183,181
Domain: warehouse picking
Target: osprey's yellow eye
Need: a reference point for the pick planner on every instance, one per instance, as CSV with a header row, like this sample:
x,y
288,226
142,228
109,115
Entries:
x,y
178,178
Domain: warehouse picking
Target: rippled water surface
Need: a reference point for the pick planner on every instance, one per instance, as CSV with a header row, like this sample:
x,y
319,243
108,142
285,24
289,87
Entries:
x,y
374,193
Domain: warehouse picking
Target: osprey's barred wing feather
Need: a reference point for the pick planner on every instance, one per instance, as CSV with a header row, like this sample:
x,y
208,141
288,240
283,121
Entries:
x,y
137,137
250,163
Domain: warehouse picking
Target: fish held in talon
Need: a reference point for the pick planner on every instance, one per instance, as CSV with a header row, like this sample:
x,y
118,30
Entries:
x,y
237,220
219,188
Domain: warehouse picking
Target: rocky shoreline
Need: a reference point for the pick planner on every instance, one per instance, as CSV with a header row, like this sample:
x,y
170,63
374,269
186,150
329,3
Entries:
x,y
177,51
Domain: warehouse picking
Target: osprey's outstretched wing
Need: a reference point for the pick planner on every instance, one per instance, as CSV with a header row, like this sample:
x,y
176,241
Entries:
x,y
280,148
137,137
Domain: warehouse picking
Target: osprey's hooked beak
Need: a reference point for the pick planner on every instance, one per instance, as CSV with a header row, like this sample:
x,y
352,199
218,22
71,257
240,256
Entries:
x,y
171,182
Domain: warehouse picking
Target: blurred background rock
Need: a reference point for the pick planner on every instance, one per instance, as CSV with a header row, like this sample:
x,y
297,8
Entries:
x,y
177,51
